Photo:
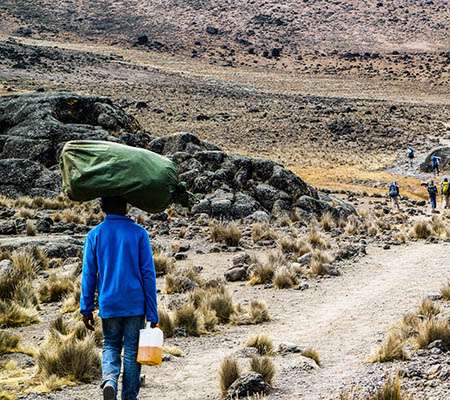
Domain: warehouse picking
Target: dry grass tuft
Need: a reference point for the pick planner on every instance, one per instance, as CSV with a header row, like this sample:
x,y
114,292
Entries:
x,y
210,319
262,273
228,233
317,240
183,280
392,349
261,342
71,302
327,222
265,367
312,354
166,322
229,372
445,291
55,288
14,315
431,330
256,313
263,231
66,356
8,342
319,264
428,309
221,303
188,318
30,228
421,230
163,263
284,279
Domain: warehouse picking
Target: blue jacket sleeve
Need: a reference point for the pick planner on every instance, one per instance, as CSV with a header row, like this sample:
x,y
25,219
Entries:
x,y
88,278
148,274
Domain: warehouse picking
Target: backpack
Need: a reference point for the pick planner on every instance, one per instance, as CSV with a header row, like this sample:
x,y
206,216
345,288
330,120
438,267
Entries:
x,y
393,190
444,188
410,153
432,190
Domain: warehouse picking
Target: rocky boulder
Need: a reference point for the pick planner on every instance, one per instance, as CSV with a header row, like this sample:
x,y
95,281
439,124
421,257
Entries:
x,y
443,152
34,128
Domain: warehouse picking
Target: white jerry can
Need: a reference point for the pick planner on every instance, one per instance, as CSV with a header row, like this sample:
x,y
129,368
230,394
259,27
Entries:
x,y
151,342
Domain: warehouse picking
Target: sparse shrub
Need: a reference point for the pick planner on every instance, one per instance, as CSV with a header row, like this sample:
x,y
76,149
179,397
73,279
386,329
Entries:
x,y
265,367
327,222
165,322
284,279
222,303
229,372
163,263
421,230
188,318
391,349
69,357
262,273
5,254
431,330
428,309
228,233
312,354
13,315
8,342
400,237
445,291
30,228
55,288
262,231
261,342
173,351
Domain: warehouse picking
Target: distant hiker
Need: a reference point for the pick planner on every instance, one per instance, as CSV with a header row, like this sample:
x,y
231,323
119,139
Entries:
x,y
435,163
118,262
432,192
445,192
410,154
394,194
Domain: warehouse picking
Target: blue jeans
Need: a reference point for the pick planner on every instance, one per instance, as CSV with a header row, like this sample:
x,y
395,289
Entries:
x,y
433,201
118,333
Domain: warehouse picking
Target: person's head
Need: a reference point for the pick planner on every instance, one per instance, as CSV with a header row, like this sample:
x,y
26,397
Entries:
x,y
445,179
431,183
114,205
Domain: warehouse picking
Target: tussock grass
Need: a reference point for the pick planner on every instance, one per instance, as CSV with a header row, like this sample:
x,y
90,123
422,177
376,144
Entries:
x,y
262,273
66,356
25,213
229,372
263,231
290,245
391,349
391,390
265,367
317,240
183,280
320,262
14,315
445,291
327,222
210,319
256,313
173,351
71,302
228,233
421,230
166,322
261,342
284,279
163,263
8,342
55,288
428,309
188,318
431,330
312,354
30,228
222,303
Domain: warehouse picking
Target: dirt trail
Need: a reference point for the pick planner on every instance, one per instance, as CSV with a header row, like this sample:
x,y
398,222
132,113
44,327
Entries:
x,y
342,318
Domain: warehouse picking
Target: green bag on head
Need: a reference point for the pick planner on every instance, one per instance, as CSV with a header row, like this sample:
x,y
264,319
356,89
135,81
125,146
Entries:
x,y
147,180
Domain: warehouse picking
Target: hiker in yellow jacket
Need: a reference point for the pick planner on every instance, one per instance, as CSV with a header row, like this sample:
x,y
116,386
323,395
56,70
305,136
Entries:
x,y
445,192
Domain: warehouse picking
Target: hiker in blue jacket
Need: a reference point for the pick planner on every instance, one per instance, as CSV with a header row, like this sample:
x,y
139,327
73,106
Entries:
x,y
394,194
118,264
435,163
410,154
432,193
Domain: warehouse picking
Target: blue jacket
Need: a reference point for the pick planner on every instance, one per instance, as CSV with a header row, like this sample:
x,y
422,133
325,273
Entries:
x,y
118,262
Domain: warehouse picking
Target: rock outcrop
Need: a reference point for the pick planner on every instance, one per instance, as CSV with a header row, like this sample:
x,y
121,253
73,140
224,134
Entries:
x,y
443,152
34,128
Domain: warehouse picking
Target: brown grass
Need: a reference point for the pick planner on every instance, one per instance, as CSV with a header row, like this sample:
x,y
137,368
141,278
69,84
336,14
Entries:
x,y
55,288
290,245
392,349
284,279
183,280
228,233
312,354
210,319
428,309
421,230
165,322
256,313
30,228
319,264
265,367
14,315
317,240
71,302
327,222
261,342
8,342
163,263
431,330
229,372
445,291
221,303
188,318
263,231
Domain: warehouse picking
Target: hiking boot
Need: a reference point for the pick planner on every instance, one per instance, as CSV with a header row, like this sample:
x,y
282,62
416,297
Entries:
x,y
109,392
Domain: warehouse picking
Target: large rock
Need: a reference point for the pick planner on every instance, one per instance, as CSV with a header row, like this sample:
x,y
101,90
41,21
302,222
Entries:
x,y
34,128
443,152
248,385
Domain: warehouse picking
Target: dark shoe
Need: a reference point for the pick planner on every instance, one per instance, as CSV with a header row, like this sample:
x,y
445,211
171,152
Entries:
x,y
108,392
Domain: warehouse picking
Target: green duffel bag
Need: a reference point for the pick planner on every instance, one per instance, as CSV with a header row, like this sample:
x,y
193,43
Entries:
x,y
147,180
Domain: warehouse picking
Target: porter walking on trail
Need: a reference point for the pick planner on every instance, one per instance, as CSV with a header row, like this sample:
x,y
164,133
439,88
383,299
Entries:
x,y
435,163
394,194
410,154
118,262
445,192
432,192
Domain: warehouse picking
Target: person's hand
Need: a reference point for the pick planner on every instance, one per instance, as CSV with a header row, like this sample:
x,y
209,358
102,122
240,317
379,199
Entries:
x,y
89,322
154,325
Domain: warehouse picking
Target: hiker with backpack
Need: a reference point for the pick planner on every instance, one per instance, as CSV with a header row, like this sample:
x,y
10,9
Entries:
x,y
435,163
445,192
410,154
394,194
432,193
